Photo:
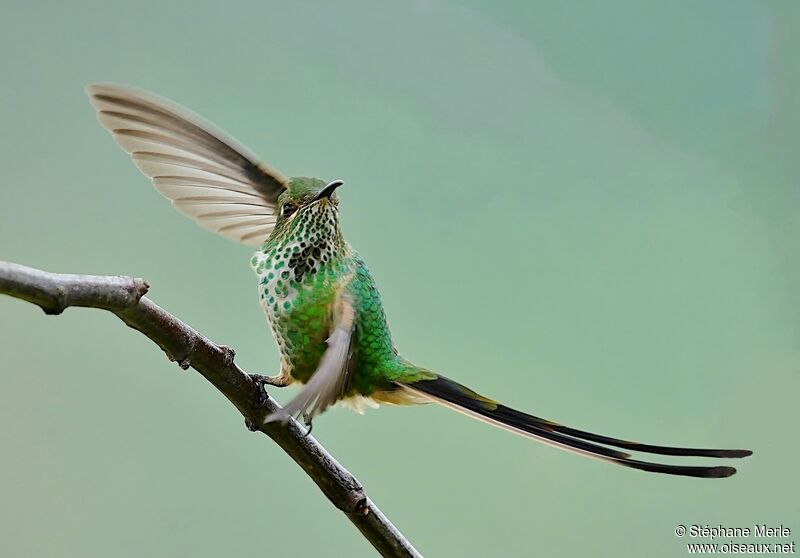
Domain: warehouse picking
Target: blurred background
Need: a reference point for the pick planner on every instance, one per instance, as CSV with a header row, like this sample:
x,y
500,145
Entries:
x,y
587,212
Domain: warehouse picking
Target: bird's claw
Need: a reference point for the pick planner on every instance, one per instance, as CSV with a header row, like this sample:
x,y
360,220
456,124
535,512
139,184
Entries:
x,y
279,380
261,394
309,425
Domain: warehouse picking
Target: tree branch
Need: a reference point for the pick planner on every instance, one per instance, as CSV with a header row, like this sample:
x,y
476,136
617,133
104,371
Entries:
x,y
124,296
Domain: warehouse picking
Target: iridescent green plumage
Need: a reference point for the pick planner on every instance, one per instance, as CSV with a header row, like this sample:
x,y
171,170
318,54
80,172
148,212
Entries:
x,y
303,267
321,302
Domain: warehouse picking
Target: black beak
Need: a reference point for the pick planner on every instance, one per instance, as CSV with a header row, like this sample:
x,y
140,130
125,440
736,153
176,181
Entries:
x,y
328,190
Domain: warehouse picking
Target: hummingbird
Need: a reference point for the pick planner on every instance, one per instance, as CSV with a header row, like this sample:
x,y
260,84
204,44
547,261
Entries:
x,y
319,297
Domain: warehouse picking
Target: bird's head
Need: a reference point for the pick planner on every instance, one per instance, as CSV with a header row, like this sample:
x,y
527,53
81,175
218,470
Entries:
x,y
307,212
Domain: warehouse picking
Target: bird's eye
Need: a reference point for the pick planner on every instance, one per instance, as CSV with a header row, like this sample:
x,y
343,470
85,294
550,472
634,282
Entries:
x,y
288,209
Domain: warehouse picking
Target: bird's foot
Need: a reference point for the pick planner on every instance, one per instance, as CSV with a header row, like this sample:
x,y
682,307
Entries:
x,y
309,425
279,380
261,399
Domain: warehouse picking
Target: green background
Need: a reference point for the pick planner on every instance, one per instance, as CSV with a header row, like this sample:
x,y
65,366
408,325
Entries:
x,y
588,210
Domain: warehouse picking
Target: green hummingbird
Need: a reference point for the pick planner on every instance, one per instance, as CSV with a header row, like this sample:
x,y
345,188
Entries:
x,y
319,297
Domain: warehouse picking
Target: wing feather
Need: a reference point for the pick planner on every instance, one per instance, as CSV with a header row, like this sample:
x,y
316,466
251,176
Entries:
x,y
206,174
329,380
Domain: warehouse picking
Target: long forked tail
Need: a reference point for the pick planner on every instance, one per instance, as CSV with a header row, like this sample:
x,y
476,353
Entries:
x,y
451,394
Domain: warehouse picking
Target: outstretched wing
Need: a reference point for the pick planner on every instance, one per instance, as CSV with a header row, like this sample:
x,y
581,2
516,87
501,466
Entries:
x,y
207,175
329,381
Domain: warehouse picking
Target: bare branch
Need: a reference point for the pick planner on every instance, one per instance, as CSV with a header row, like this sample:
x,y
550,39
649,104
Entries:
x,y
124,296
